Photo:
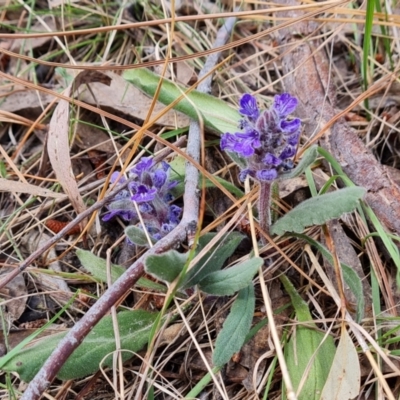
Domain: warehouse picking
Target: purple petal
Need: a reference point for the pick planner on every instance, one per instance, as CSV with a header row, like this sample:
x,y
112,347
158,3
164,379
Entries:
x,y
172,184
143,165
228,141
284,104
166,228
293,140
272,160
288,152
159,178
248,106
267,175
165,166
144,194
243,174
290,127
174,213
114,177
252,136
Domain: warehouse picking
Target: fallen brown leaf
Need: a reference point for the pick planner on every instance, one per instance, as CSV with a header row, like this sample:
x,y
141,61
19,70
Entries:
x,y
58,143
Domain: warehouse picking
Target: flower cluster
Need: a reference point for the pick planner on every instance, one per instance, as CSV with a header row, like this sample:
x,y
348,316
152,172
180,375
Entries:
x,y
268,139
150,189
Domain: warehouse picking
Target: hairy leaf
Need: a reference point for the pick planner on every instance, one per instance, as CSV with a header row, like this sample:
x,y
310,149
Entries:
x,y
228,281
308,351
319,210
134,329
236,327
137,236
166,266
215,113
98,266
214,259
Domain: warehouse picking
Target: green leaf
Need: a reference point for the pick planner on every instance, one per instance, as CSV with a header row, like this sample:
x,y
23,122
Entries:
x,y
307,345
215,113
137,236
166,266
134,329
98,266
214,259
235,328
228,281
319,210
308,158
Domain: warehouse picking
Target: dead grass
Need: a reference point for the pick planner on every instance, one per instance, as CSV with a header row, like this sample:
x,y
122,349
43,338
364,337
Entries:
x,y
34,71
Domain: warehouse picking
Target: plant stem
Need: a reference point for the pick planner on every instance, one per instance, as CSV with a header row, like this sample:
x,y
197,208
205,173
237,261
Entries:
x,y
264,206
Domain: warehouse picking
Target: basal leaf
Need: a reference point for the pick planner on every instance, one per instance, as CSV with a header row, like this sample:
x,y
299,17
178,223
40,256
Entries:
x,y
228,281
214,259
166,266
236,327
137,236
215,113
98,266
307,345
319,210
134,329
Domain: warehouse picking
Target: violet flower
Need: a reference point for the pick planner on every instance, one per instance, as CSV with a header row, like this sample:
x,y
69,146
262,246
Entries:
x,y
150,189
268,139
266,144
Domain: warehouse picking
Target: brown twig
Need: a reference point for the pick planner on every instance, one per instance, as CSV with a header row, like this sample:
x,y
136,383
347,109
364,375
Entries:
x,y
189,219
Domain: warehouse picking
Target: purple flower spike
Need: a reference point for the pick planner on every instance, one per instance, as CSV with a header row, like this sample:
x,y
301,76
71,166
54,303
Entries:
x,y
150,188
268,138
284,104
144,194
248,106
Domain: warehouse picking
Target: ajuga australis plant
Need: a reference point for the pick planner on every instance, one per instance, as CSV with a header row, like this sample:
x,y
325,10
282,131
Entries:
x,y
266,143
151,190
